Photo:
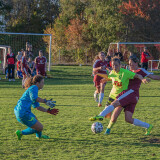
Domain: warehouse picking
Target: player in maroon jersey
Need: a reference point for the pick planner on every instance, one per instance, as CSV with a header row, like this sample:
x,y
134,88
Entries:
x,y
99,66
128,99
40,63
24,67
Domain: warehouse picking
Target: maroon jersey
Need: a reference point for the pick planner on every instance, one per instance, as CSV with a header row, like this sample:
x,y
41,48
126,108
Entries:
x,y
135,83
99,63
24,65
40,62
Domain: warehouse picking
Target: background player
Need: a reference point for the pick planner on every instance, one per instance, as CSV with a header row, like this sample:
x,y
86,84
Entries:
x,y
23,108
40,64
24,68
99,66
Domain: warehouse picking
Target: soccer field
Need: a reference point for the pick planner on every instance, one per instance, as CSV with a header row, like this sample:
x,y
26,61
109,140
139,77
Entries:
x,y
70,131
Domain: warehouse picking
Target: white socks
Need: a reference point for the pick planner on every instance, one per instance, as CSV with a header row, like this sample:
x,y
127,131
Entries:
x,y
137,122
96,96
107,110
101,95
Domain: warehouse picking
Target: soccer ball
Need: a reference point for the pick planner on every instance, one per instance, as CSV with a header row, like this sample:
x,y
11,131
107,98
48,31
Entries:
x,y
97,127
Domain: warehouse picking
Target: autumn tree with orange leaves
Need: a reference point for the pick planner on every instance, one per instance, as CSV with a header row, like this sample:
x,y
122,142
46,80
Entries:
x,y
142,19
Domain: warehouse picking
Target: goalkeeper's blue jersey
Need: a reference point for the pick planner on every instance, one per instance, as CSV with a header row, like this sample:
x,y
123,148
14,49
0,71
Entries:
x,y
27,100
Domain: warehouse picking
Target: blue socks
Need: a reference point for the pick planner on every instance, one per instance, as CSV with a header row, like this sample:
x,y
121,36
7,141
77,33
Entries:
x,y
31,131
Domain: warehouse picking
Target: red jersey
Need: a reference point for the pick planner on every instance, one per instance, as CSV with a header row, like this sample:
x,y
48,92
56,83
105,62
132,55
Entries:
x,y
18,65
10,58
135,83
143,57
40,62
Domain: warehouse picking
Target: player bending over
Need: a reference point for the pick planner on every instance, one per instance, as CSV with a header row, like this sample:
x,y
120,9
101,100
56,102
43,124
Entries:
x,y
30,99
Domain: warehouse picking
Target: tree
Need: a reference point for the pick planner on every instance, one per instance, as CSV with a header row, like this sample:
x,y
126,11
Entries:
x,y
142,17
31,15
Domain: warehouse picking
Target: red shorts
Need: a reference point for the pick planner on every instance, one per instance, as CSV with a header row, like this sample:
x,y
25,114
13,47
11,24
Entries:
x,y
97,81
128,100
41,71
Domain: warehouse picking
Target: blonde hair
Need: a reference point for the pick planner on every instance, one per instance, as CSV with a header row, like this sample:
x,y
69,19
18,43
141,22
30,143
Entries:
x,y
32,81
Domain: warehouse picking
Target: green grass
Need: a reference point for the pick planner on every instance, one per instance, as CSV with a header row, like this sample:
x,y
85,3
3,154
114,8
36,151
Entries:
x,y
70,130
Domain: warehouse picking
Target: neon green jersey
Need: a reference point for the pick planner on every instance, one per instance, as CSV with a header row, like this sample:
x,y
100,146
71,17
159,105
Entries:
x,y
120,81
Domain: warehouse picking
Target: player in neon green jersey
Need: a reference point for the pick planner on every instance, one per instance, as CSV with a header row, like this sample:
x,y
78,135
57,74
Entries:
x,y
120,80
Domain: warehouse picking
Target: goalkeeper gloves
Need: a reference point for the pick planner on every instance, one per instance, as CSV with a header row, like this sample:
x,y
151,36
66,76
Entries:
x,y
53,111
50,103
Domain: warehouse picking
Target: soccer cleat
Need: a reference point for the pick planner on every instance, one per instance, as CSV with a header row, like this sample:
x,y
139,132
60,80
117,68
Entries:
x,y
99,105
100,118
107,131
44,137
19,134
148,130
96,97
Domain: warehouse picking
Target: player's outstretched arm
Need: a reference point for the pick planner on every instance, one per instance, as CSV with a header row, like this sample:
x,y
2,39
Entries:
x,y
141,78
49,103
50,111
154,77
42,109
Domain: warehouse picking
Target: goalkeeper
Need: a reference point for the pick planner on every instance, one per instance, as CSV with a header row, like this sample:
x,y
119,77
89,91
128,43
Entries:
x,y
23,108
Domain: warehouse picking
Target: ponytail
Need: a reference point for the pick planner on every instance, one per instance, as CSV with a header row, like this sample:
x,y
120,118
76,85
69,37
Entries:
x,y
32,81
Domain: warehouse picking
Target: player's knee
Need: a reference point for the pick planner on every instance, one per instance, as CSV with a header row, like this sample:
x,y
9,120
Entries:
x,y
115,103
39,128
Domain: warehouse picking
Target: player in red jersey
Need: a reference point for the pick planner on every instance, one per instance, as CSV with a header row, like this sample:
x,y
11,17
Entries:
x,y
24,67
99,66
40,63
128,99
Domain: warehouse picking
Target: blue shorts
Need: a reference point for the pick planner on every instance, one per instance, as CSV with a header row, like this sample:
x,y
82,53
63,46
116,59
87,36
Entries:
x,y
28,119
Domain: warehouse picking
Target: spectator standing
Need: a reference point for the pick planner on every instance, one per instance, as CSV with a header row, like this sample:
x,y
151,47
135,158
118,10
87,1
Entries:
x,y
145,56
10,60
40,64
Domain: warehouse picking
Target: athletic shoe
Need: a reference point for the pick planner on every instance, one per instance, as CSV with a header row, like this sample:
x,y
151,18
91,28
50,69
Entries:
x,y
148,130
9,80
99,105
44,137
19,134
107,131
100,118
95,96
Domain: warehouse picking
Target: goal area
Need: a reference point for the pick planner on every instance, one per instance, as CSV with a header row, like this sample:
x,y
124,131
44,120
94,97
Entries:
x,y
25,41
128,48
